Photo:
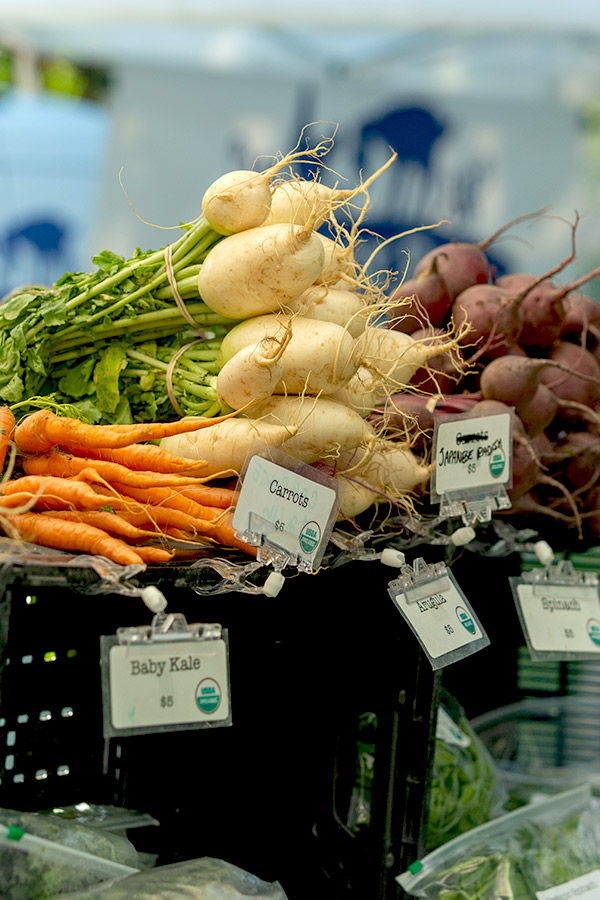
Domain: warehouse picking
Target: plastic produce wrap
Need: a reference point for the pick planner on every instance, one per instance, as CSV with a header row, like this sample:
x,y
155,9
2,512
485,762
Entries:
x,y
359,814
518,856
42,855
98,575
105,575
108,818
196,879
466,787
544,745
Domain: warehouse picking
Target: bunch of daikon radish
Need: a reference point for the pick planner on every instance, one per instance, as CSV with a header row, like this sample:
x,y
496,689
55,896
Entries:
x,y
307,360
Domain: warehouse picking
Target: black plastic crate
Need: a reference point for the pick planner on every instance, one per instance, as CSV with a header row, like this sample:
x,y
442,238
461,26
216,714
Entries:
x,y
271,792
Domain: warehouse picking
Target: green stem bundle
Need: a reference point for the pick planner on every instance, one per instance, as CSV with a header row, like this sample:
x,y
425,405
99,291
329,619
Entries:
x,y
74,340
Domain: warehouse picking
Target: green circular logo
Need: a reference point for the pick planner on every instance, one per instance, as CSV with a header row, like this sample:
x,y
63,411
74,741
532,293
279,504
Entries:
x,y
310,537
593,630
465,619
497,462
208,695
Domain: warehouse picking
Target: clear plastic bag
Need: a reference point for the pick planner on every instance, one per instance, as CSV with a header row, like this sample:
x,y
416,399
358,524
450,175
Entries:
x,y
42,856
466,787
536,848
196,879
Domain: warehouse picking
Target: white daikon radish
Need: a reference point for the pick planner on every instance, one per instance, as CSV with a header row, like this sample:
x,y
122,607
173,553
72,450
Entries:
x,y
320,356
388,468
236,201
353,498
397,356
339,266
333,305
241,199
298,199
260,270
252,374
361,392
225,449
324,427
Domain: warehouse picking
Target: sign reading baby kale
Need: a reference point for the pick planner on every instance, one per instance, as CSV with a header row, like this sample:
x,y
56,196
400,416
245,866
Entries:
x,y
472,453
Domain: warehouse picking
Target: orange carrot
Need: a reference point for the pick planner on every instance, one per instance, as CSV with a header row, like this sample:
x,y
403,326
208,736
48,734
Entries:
x,y
211,495
7,429
42,430
145,516
110,522
180,535
60,535
64,465
172,497
142,457
155,555
54,493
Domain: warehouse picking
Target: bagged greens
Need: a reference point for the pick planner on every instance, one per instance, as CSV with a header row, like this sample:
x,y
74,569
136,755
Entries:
x,y
466,788
41,874
196,879
535,848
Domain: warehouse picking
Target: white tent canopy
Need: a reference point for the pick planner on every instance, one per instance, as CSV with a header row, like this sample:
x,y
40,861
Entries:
x,y
229,82
537,15
434,43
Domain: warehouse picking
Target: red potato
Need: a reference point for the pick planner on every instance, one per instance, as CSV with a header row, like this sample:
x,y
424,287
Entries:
x,y
461,264
528,385
581,453
539,412
494,315
513,380
528,470
592,512
498,316
517,350
580,380
529,475
582,313
514,281
543,314
545,310
529,506
429,303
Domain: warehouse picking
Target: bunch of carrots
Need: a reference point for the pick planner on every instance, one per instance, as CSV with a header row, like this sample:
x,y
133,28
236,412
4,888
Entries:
x,y
100,490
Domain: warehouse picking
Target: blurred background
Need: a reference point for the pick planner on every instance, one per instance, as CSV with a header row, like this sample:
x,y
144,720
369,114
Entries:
x,y
115,117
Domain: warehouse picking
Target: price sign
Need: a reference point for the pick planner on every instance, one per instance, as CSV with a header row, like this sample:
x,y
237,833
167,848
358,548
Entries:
x,y
293,511
440,616
165,686
559,621
471,454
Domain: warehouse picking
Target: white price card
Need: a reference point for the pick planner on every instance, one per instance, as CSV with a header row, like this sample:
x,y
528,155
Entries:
x,y
165,686
560,621
585,887
472,454
292,511
441,618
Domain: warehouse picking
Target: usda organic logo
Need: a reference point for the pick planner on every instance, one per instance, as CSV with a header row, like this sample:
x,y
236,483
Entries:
x,y
593,630
497,462
310,537
208,695
465,619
